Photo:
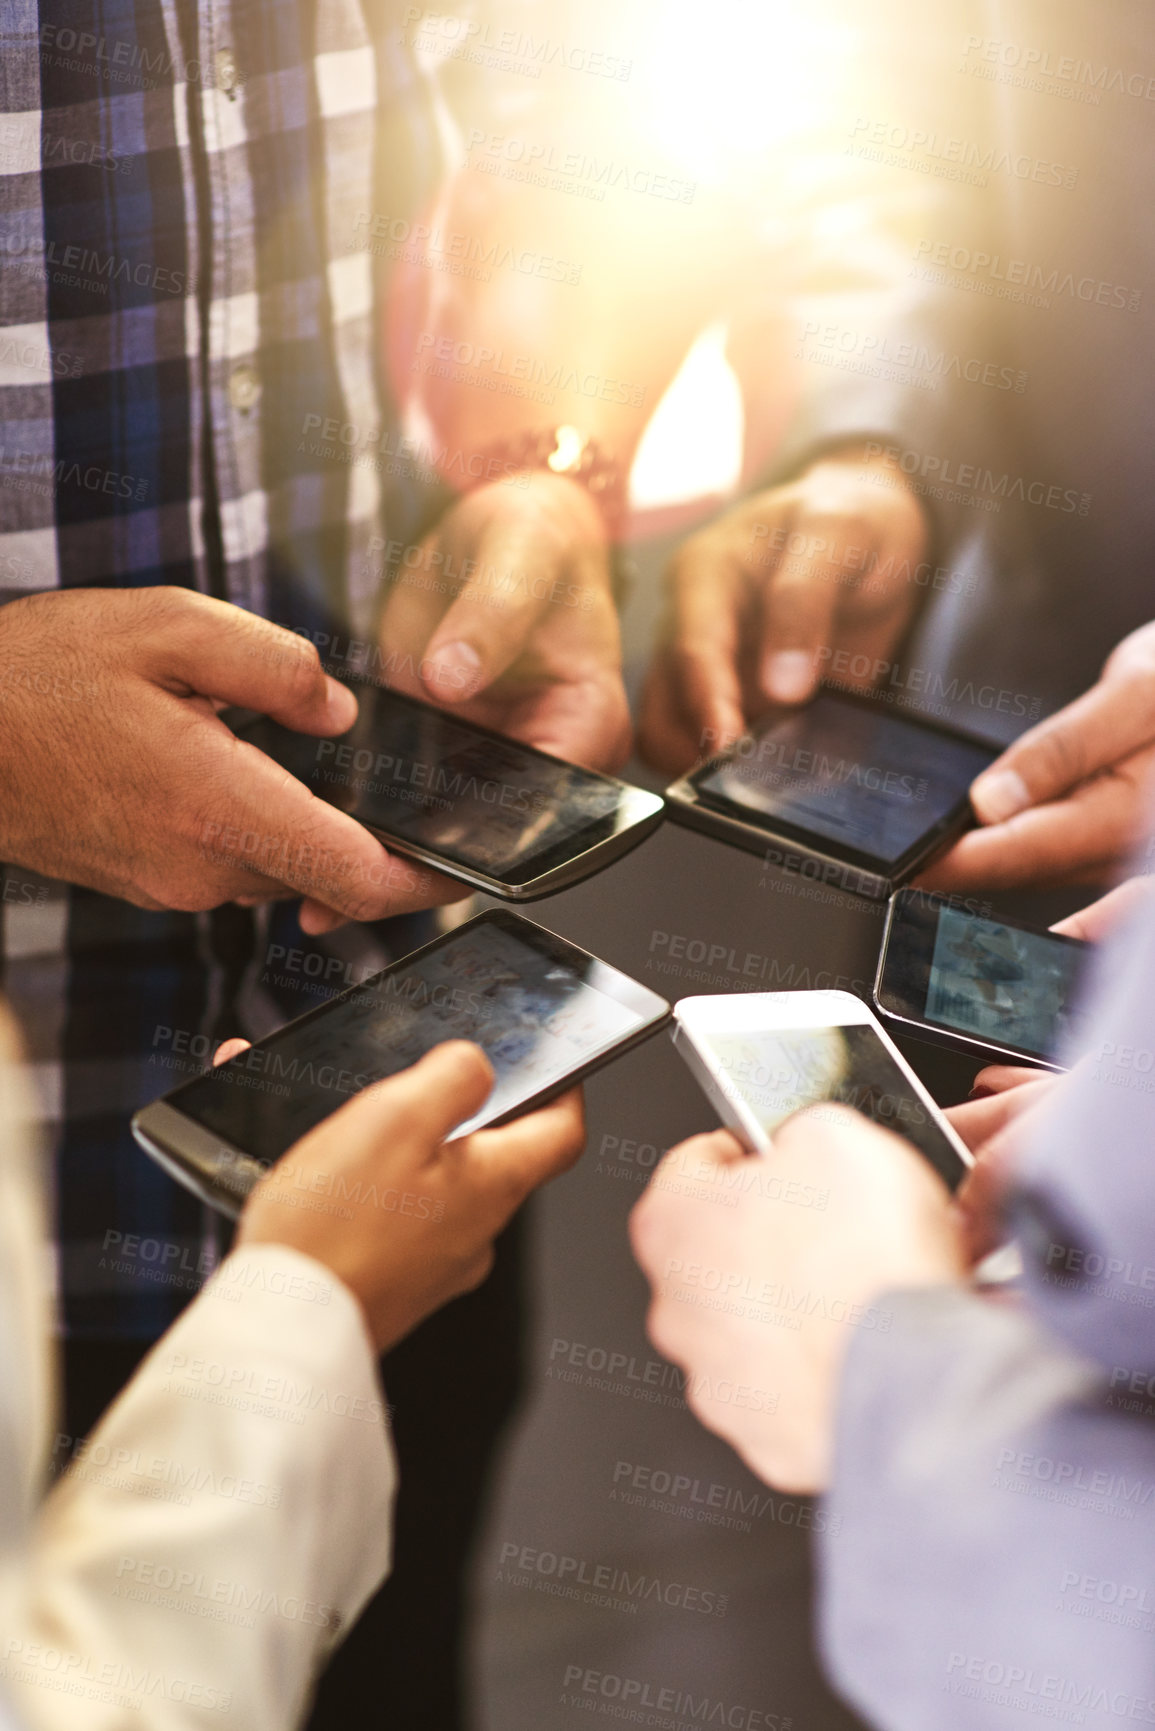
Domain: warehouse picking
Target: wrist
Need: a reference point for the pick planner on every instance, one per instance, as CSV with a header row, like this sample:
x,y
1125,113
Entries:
x,y
567,453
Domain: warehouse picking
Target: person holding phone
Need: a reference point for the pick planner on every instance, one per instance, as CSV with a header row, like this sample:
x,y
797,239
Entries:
x,y
192,324
978,1437
973,540
204,1555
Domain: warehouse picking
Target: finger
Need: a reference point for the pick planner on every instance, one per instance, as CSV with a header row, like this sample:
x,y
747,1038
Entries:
x,y
432,890
798,607
266,822
997,1078
704,643
514,1159
654,1220
222,652
420,1105
1071,841
487,626
229,1049
668,737
1093,923
978,1121
1106,724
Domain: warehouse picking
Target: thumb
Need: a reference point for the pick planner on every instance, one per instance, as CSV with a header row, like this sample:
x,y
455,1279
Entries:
x,y
487,626
1107,723
423,1103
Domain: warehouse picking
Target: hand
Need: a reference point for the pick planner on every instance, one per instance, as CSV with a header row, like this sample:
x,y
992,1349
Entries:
x,y
815,579
1067,803
117,773
760,1299
424,1212
509,619
991,1123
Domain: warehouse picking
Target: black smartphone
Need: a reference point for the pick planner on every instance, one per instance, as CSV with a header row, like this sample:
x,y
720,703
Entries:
x,y
841,789
497,815
545,1013
1006,991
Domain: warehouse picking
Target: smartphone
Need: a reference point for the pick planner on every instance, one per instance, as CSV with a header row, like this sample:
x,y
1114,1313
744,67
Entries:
x,y
762,1056
978,983
842,789
546,1014
492,813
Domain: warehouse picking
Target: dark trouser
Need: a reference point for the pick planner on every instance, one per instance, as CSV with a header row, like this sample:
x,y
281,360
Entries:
x,y
452,1387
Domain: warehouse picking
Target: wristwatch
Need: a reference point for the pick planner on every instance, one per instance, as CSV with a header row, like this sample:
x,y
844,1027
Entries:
x,y
567,451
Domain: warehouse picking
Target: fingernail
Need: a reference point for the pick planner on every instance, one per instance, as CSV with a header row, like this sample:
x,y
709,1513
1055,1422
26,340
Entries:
x,y
980,1091
999,794
455,669
342,701
788,675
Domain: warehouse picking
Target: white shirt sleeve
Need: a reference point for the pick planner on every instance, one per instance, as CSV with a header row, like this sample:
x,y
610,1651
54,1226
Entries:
x,y
223,1525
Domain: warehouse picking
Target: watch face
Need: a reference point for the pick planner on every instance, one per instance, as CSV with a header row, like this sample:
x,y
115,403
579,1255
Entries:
x,y
569,448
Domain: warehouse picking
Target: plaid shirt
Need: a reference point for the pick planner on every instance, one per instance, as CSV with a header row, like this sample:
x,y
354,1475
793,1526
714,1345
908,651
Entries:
x,y
182,296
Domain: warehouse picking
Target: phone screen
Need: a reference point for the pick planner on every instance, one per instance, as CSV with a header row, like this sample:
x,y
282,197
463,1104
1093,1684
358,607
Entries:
x,y
1011,987
537,1012
872,783
474,798
776,1072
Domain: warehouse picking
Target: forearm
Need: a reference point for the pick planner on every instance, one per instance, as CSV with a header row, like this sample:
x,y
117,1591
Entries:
x,y
225,1523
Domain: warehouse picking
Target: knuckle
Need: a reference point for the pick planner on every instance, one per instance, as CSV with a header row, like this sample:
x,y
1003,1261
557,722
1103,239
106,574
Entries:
x,y
1058,756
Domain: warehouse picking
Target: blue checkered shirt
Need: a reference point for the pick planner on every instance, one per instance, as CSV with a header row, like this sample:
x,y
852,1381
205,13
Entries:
x,y
184,293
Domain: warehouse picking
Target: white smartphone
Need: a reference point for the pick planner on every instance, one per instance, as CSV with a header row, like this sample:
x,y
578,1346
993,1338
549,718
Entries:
x,y
762,1056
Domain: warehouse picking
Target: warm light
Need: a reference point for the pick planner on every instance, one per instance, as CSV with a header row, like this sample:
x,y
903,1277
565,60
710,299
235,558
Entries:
x,y
725,87
693,444
567,455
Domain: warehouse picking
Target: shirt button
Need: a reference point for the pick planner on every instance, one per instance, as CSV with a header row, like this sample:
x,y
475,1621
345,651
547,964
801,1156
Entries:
x,y
244,388
227,79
